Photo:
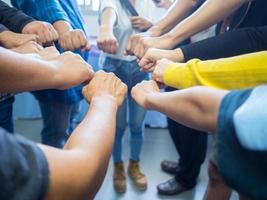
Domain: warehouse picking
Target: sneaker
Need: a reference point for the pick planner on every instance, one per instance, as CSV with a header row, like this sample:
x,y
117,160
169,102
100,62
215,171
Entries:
x,y
138,178
119,178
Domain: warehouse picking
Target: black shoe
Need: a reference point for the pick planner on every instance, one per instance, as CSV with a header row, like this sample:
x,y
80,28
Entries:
x,y
171,187
170,167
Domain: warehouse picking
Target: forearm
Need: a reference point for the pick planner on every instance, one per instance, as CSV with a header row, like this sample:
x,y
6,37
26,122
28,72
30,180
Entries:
x,y
25,73
242,41
86,153
108,19
194,107
236,72
179,10
210,13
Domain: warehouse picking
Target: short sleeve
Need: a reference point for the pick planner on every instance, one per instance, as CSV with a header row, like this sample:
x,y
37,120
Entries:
x,y
23,169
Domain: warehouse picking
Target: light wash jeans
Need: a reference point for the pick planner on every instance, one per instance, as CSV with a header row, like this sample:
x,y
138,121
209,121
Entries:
x,y
130,74
59,120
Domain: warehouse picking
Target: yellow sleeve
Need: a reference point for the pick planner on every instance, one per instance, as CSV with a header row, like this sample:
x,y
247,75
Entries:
x,y
248,70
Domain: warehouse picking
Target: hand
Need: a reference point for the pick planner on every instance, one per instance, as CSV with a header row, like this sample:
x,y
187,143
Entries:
x,y
48,53
143,91
138,44
70,70
107,85
140,23
152,55
45,31
74,39
160,68
9,39
107,42
28,47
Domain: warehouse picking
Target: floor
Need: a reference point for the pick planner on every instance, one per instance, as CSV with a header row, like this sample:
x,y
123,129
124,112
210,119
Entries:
x,y
157,146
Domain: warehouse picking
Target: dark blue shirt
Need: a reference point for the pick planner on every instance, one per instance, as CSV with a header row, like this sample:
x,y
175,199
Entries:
x,y
52,11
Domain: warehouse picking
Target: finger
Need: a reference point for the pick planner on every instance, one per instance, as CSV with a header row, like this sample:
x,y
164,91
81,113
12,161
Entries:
x,y
54,33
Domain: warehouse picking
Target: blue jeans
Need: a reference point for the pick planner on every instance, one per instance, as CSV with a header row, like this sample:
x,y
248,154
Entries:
x,y
59,120
6,114
130,74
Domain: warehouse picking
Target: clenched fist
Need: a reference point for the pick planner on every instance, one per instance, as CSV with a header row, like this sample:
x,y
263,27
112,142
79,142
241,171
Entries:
x,y
105,84
45,32
74,39
159,70
106,41
142,92
140,23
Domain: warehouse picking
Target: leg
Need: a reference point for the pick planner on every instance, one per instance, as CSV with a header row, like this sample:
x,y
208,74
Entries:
x,y
120,129
56,118
6,114
119,177
136,122
216,189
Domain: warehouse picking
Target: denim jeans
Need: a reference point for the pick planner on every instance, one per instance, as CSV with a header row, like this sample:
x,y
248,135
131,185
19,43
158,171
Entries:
x,y
59,120
6,114
129,72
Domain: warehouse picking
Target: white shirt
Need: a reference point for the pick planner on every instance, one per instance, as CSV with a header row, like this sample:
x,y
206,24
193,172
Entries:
x,y
123,28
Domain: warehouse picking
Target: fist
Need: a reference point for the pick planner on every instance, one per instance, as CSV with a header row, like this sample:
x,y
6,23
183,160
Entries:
x,y
28,47
107,42
45,32
142,92
71,70
74,39
138,45
159,70
49,53
105,84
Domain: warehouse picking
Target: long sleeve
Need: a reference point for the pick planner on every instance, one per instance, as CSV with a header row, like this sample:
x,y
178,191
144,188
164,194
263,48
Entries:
x,y
13,19
52,11
237,72
232,43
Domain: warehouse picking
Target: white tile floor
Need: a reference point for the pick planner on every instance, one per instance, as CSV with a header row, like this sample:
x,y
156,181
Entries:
x,y
157,146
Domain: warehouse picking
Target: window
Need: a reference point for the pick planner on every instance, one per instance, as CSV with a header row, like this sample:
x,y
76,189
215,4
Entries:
x,y
89,6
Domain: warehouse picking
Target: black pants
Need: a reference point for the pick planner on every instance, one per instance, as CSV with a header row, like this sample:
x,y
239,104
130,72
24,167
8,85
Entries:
x,y
191,146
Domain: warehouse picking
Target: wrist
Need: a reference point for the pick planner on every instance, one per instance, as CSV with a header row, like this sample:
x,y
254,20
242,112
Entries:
x,y
150,101
104,100
4,35
155,31
62,27
179,55
106,29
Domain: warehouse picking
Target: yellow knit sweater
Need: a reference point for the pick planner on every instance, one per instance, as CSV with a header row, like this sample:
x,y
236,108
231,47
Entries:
x,y
237,72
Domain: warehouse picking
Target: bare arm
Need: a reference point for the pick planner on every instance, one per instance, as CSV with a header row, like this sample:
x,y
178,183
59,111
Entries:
x,y
30,72
195,107
106,40
178,11
78,171
211,12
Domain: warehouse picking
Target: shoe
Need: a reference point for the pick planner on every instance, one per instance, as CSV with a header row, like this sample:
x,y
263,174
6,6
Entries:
x,y
170,167
138,178
119,178
171,187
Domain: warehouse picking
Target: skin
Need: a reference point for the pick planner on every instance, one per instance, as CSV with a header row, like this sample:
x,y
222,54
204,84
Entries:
x,y
9,39
106,40
28,47
152,56
195,107
70,39
89,146
175,27
45,32
44,70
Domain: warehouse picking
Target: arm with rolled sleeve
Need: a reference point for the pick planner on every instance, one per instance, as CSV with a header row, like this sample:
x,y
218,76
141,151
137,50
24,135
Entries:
x,y
237,72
